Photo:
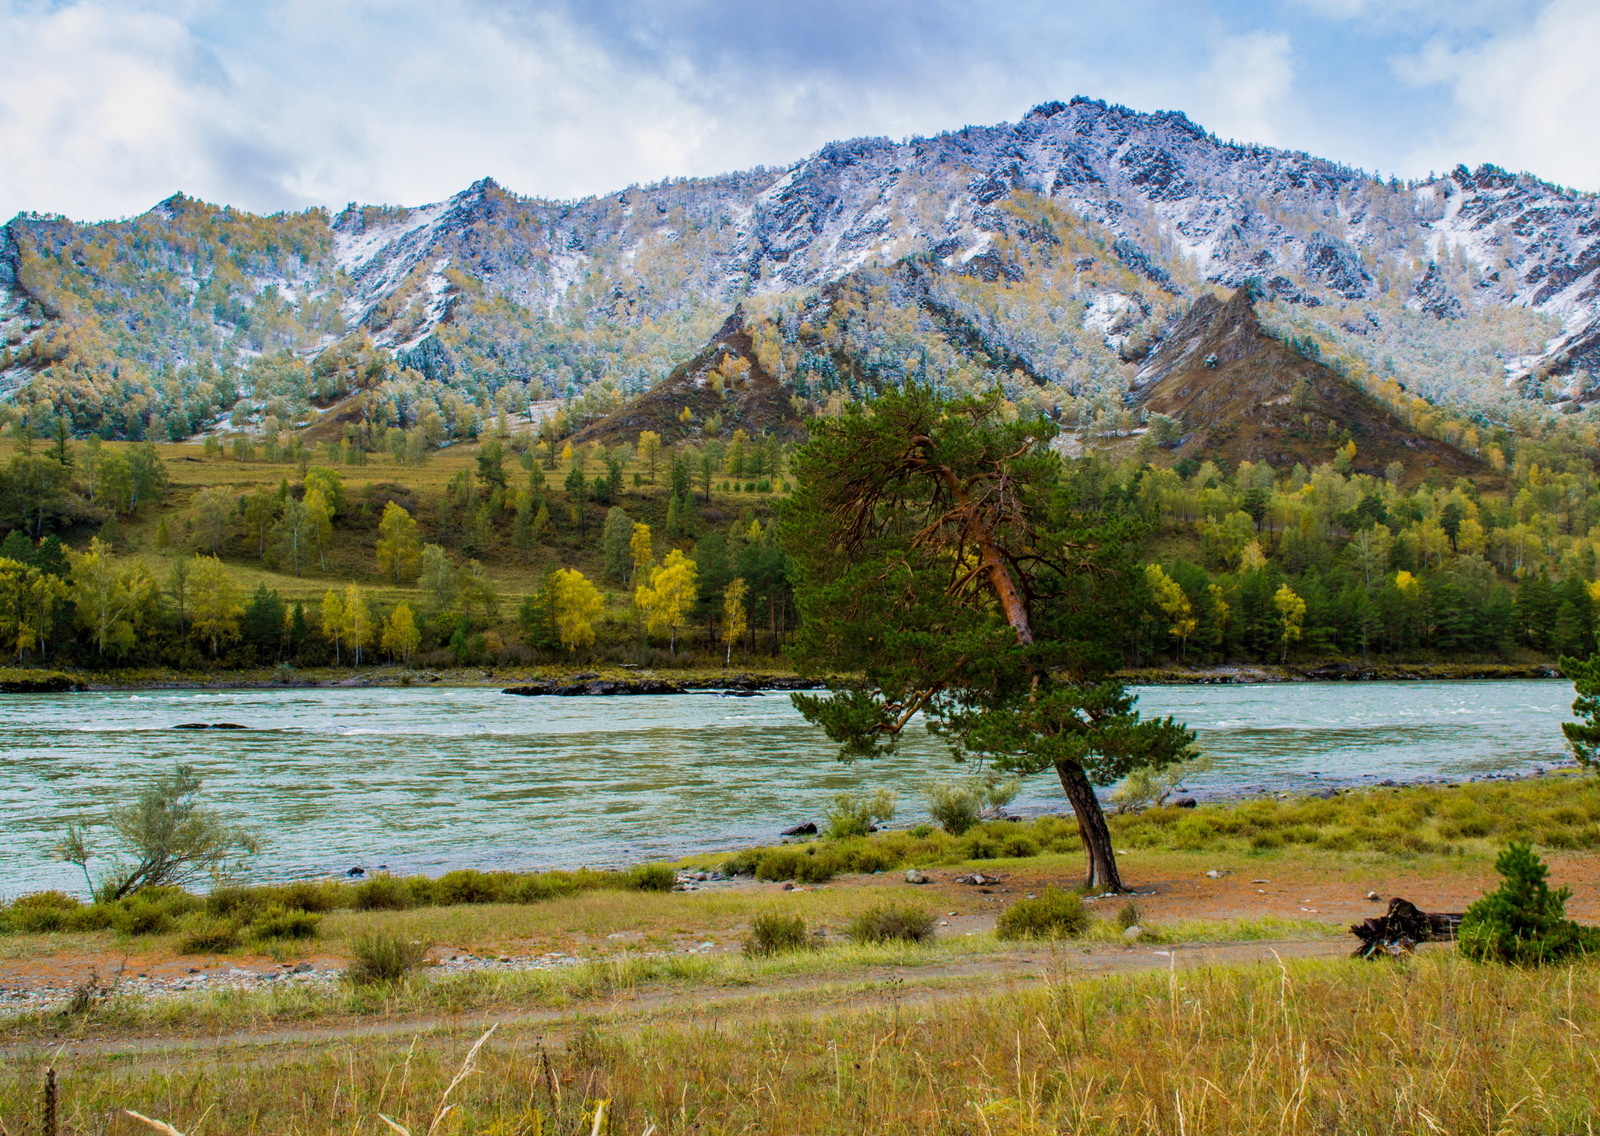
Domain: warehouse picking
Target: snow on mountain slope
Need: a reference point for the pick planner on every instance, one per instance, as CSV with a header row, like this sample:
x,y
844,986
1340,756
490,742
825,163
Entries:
x,y
628,284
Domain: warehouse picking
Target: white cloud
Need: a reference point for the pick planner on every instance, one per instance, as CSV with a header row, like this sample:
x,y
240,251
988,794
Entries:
x,y
1528,99
110,105
100,107
1245,92
295,102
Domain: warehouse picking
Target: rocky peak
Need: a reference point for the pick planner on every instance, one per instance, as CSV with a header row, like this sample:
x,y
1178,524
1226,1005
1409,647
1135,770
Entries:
x,y
1241,394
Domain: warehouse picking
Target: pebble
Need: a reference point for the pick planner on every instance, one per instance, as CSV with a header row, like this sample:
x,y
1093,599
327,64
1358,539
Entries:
x,y
34,999
1374,897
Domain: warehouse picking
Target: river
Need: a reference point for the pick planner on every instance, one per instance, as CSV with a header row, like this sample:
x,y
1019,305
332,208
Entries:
x,y
426,780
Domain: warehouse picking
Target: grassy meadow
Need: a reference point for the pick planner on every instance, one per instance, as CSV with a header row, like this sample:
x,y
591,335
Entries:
x,y
1432,1045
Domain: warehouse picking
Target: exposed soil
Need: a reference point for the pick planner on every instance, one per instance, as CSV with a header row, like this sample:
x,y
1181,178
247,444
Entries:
x,y
726,381
1332,895
1243,395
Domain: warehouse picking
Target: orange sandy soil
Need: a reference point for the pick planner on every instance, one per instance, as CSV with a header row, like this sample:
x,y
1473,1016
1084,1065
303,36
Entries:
x,y
1250,889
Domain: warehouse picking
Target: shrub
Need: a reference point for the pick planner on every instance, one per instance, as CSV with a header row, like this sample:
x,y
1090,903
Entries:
x,y
1144,787
1523,922
383,893
955,806
1019,847
384,958
278,922
421,891
41,912
652,877
979,845
233,903
152,911
1055,914
773,934
958,805
1129,915
312,895
806,865
209,935
869,856
852,814
778,864
1194,832
168,837
466,885
891,922
546,885
818,867
743,863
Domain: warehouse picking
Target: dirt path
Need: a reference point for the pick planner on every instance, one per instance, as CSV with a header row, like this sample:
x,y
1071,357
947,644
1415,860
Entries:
x,y
821,994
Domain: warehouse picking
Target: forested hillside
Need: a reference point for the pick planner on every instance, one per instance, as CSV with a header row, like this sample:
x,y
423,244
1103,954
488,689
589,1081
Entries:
x,y
524,550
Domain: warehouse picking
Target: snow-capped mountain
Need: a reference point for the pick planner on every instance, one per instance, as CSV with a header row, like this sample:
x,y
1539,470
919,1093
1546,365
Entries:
x,y
1477,286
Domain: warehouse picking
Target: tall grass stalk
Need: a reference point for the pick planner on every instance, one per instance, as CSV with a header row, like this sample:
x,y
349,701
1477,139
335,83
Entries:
x,y
1436,1045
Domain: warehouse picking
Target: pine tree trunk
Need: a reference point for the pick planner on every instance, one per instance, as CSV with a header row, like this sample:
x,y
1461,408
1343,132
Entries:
x,y
1101,859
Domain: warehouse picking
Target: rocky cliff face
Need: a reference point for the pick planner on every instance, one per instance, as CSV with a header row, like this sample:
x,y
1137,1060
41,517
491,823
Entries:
x,y
517,289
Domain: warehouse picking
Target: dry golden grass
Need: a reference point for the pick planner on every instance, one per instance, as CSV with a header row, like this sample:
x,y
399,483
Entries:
x,y
1437,1045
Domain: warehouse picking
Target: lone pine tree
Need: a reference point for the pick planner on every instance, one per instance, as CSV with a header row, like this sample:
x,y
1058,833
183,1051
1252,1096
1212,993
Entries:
x,y
939,556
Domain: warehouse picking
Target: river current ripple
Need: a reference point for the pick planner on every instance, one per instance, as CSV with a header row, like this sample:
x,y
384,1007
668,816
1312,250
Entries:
x,y
427,780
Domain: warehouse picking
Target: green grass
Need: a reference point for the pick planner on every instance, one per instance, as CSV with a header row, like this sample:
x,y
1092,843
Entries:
x,y
428,993
1559,811
156,911
1553,812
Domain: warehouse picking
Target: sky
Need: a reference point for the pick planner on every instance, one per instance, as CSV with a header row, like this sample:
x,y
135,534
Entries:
x,y
108,107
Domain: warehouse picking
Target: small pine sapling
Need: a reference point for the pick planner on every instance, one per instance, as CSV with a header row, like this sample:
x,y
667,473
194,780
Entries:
x,y
1523,922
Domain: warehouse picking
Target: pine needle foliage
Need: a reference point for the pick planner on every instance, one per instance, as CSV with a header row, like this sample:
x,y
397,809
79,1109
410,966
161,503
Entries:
x,y
1524,922
939,554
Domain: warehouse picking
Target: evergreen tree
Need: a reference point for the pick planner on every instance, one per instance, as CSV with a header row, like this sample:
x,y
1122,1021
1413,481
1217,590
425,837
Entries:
x,y
614,540
1584,734
491,467
1523,922
262,626
938,559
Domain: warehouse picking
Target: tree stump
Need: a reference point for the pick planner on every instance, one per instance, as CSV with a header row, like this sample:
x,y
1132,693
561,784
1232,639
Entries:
x,y
1398,931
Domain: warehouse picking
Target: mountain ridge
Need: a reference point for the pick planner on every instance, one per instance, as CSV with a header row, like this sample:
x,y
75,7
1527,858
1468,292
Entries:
x,y
1478,289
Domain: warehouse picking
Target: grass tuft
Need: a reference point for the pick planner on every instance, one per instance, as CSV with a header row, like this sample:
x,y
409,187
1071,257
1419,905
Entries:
x,y
774,934
208,935
892,922
1055,914
378,959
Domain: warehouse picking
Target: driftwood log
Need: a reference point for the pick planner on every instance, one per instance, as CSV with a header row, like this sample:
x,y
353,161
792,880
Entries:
x,y
1399,930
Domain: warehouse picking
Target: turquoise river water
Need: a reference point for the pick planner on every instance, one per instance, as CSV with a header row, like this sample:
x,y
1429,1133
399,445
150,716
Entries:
x,y
428,780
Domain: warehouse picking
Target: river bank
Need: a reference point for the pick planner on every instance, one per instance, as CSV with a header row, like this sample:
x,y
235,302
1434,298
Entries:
x,y
610,680
1231,673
